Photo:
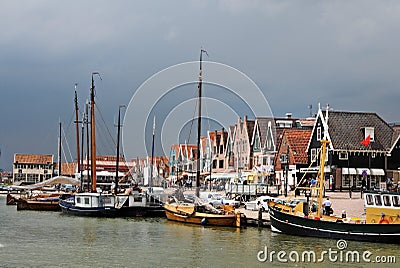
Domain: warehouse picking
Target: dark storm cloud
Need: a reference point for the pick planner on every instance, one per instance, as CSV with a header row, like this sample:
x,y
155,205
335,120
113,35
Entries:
x,y
344,53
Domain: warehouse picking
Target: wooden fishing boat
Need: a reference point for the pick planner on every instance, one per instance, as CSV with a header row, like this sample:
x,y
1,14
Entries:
x,y
381,224
41,203
11,199
200,214
41,196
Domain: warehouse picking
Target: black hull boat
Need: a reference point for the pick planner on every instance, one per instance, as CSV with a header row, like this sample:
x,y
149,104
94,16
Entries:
x,y
305,217
142,211
108,205
87,205
282,222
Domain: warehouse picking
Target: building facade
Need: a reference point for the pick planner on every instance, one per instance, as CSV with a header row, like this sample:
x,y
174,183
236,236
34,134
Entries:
x,y
32,168
363,149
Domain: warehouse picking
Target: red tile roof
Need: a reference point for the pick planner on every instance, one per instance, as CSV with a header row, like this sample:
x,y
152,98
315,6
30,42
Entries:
x,y
67,168
298,141
33,158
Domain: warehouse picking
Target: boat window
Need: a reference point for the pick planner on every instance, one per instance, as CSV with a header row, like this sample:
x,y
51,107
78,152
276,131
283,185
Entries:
x,y
87,201
369,199
396,201
378,200
107,200
386,201
78,200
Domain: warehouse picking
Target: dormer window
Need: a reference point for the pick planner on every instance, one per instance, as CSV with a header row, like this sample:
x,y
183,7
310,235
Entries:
x,y
371,132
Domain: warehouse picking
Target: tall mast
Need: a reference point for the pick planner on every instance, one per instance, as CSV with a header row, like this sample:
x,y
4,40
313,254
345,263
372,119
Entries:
x,y
59,150
117,161
152,156
199,127
82,144
93,134
87,144
77,131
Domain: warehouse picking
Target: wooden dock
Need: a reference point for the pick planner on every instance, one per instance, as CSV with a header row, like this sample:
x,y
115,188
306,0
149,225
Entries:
x,y
255,219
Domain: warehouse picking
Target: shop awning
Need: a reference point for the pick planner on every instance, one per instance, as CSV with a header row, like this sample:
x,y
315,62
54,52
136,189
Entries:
x,y
362,171
377,172
347,171
327,169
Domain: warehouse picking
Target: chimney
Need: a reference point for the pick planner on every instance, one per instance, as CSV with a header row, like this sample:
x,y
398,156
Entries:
x,y
288,115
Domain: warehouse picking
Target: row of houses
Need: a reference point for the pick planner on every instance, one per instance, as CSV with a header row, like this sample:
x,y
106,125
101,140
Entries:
x,y
33,168
279,150
284,150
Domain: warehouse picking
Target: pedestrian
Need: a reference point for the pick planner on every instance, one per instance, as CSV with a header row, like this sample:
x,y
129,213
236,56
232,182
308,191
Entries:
x,y
327,206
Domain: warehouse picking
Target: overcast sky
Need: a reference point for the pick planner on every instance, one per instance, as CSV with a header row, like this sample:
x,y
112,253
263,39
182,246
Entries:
x,y
345,53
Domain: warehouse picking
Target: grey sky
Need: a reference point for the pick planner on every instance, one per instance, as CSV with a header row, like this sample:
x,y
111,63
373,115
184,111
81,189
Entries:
x,y
344,53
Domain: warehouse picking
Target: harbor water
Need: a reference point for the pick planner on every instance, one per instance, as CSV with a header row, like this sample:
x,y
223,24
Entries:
x,y
51,239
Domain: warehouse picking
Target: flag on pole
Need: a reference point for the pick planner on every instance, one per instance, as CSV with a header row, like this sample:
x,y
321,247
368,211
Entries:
x,y
367,141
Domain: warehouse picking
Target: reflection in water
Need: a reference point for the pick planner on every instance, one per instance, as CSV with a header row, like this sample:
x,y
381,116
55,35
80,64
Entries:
x,y
29,238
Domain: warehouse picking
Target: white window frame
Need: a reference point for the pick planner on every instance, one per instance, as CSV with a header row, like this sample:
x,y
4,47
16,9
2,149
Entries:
x,y
313,153
319,133
343,156
371,132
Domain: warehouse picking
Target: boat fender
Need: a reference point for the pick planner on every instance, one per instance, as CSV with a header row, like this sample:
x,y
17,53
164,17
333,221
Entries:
x,y
204,221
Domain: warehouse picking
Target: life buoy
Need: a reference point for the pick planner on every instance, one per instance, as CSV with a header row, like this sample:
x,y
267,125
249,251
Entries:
x,y
383,220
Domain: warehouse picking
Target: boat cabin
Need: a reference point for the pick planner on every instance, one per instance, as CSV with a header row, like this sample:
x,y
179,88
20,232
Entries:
x,y
90,200
381,207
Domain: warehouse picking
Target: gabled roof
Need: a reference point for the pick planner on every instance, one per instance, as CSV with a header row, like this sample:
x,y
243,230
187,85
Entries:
x,y
262,127
298,141
217,136
250,129
231,132
33,158
346,129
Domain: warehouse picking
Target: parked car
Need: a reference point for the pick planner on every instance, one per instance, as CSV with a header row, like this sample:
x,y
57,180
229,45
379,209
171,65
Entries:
x,y
262,202
227,201
217,200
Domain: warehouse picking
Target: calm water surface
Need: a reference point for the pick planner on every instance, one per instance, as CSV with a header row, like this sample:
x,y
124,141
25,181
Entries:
x,y
51,239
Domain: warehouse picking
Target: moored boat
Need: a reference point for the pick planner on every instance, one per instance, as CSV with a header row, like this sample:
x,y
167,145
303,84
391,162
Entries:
x,y
198,213
381,224
203,214
132,203
41,203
